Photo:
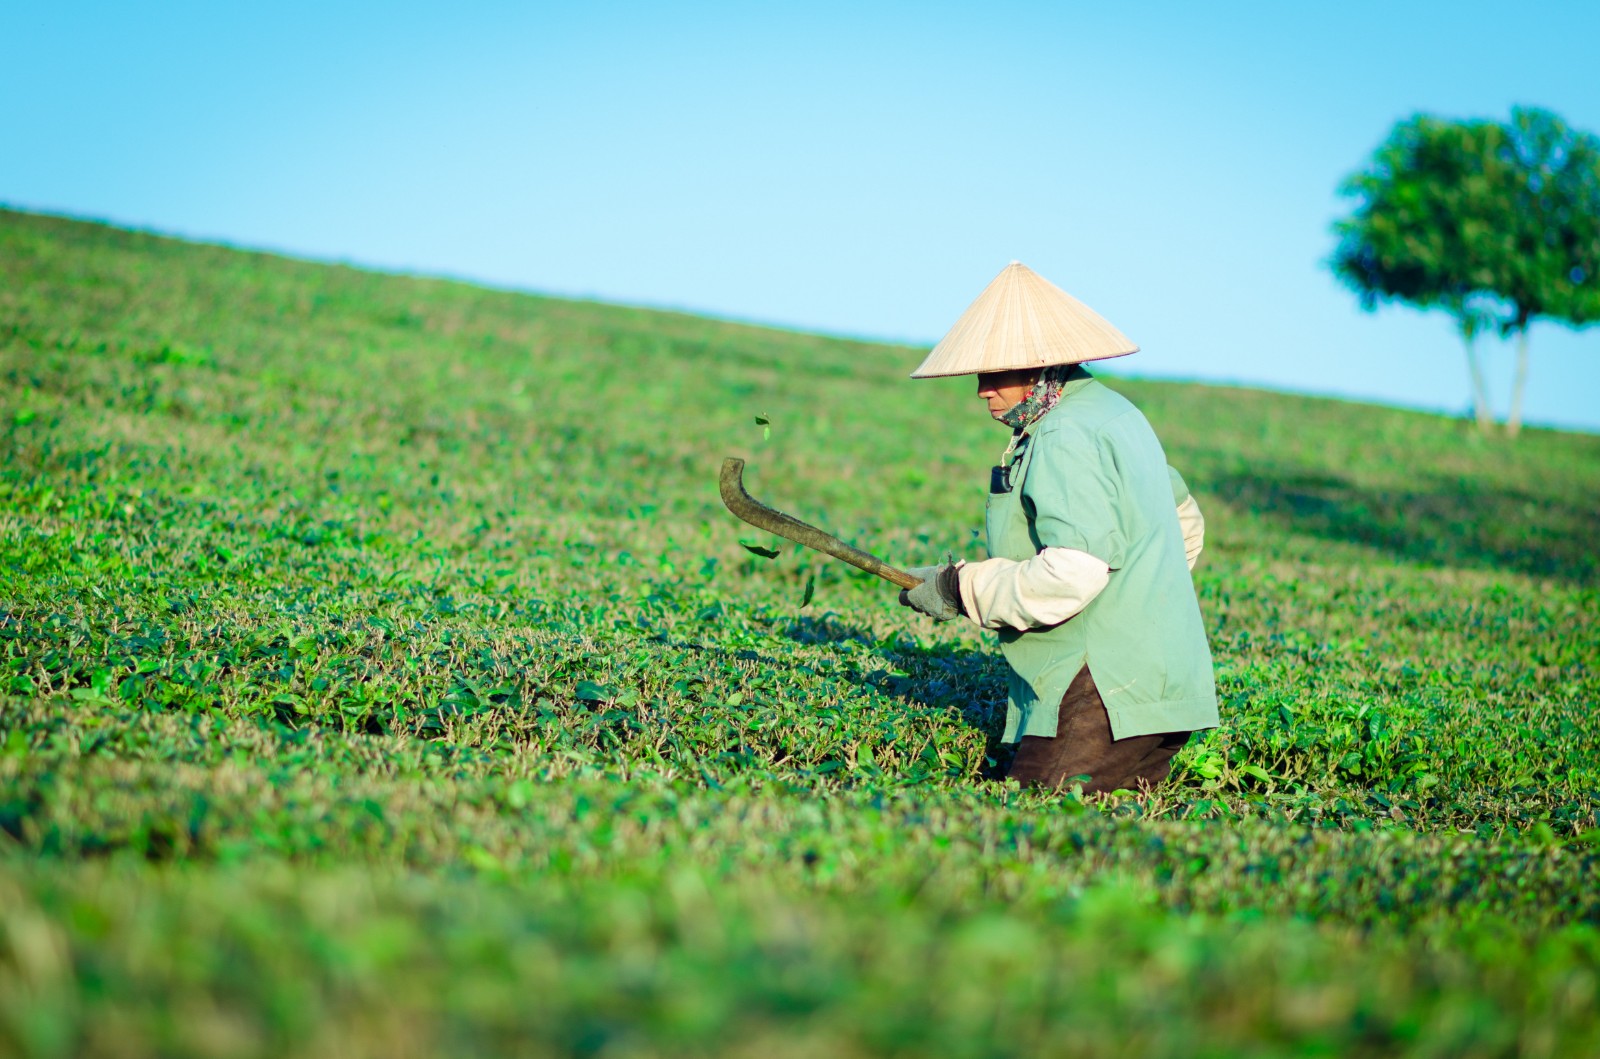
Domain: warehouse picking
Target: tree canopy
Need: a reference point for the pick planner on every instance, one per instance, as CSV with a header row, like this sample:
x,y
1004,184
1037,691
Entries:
x,y
1496,223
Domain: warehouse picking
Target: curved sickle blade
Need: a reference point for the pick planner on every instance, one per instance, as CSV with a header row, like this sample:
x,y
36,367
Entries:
x,y
761,516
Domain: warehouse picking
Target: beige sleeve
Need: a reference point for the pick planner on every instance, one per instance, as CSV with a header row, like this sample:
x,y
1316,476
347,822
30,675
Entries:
x,y
1045,590
1194,529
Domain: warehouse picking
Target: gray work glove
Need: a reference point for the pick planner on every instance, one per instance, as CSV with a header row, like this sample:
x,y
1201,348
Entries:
x,y
939,595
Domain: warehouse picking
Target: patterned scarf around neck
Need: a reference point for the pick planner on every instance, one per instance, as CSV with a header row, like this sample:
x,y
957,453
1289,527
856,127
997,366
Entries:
x,y
1039,400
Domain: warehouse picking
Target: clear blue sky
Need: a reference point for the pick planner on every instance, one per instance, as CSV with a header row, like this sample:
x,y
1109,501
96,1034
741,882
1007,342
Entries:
x,y
853,168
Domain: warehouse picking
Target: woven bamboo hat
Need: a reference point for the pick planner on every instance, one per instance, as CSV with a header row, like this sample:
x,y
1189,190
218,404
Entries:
x,y
1022,320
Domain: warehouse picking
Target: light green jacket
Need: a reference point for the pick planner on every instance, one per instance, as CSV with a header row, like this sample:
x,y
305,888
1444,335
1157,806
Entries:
x,y
1091,475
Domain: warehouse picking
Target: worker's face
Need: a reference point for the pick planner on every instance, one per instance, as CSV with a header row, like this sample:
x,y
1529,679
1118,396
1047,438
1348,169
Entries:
x,y
1005,389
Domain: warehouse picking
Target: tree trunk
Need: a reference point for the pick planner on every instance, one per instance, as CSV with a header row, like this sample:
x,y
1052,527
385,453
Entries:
x,y
1514,420
1480,393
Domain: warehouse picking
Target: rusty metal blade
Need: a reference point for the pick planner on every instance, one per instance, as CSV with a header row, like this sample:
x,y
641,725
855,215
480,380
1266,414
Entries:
x,y
761,516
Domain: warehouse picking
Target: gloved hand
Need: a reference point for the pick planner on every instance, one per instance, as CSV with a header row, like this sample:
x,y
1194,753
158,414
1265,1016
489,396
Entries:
x,y
939,595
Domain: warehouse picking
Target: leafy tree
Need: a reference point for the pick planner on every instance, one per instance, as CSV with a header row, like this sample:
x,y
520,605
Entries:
x,y
1547,260
1424,199
1497,224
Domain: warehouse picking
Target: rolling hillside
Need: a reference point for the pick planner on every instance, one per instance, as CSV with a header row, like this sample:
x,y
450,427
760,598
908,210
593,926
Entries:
x,y
382,675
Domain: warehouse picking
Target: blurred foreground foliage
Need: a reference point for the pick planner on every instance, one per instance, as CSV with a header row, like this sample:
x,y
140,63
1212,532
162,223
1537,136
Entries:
x,y
382,676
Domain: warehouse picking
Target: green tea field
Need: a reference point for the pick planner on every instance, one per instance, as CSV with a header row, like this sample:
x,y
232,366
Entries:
x,y
381,675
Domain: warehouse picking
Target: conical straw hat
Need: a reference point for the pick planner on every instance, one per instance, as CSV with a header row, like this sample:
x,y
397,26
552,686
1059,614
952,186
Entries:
x,y
1022,320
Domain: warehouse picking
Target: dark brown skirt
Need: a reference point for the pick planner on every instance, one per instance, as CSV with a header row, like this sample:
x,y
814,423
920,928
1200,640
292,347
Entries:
x,y
1084,752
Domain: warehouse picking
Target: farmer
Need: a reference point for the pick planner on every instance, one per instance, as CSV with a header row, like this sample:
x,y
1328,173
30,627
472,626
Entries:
x,y
1091,541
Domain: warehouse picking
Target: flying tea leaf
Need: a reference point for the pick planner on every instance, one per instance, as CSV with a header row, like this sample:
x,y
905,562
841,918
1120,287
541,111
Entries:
x,y
757,549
